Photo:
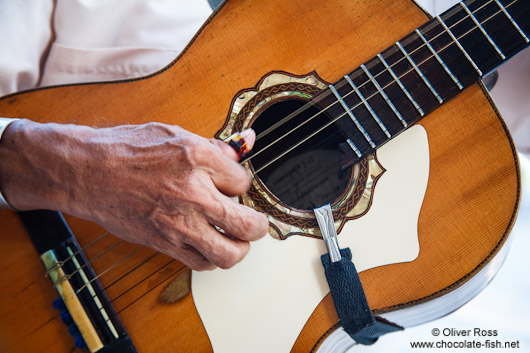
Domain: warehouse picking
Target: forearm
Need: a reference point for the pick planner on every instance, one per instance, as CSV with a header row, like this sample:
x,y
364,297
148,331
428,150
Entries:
x,y
153,184
76,169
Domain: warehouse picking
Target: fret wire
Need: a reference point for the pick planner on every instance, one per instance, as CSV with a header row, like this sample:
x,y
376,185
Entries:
x,y
431,49
429,25
352,116
389,69
368,106
501,6
479,26
354,148
311,135
397,80
339,117
385,97
459,45
450,12
418,71
400,84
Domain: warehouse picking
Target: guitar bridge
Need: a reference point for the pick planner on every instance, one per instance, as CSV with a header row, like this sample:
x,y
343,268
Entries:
x,y
76,283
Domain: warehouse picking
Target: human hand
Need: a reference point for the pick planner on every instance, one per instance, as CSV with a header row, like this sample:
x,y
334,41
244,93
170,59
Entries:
x,y
153,184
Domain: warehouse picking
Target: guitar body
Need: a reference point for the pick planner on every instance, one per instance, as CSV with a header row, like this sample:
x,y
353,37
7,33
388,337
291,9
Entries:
x,y
468,210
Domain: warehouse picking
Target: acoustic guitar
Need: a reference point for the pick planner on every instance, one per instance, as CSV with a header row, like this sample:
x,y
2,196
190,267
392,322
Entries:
x,y
341,79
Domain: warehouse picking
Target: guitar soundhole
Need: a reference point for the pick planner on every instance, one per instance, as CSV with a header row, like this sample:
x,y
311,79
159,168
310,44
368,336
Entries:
x,y
308,176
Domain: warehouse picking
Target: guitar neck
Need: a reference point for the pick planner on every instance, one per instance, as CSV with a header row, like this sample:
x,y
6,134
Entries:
x,y
422,71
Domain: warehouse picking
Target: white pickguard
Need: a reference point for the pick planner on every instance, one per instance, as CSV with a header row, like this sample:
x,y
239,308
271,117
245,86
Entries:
x,y
262,304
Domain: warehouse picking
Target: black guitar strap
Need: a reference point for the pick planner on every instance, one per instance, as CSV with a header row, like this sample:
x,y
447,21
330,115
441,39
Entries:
x,y
350,301
346,288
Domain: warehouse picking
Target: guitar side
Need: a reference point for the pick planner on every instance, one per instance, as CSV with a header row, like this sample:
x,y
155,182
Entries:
x,y
468,211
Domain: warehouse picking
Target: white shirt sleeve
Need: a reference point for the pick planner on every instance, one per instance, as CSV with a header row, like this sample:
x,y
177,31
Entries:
x,y
118,39
25,36
46,42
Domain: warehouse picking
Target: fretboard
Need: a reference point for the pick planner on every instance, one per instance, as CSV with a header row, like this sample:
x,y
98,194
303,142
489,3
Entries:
x,y
428,67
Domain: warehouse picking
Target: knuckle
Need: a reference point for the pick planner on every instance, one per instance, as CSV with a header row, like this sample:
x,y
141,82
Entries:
x,y
224,149
195,260
230,259
253,226
154,128
194,194
202,265
192,149
243,179
247,223
193,153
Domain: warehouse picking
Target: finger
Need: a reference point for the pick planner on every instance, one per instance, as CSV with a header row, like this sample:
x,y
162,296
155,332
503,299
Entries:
x,y
217,248
239,221
192,258
232,181
228,176
182,252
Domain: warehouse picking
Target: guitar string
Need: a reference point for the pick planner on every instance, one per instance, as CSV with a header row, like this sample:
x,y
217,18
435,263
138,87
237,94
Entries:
x,y
143,262
405,42
143,280
62,262
313,177
328,124
66,277
147,292
134,301
115,314
307,105
344,114
428,27
128,256
340,116
136,267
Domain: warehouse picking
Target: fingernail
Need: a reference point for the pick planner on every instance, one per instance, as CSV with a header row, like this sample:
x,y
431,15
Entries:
x,y
245,133
238,135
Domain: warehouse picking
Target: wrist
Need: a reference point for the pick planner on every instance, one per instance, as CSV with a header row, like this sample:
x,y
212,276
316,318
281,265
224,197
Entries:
x,y
36,165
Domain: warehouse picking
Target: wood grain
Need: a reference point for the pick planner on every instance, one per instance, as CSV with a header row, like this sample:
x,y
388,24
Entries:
x,y
469,208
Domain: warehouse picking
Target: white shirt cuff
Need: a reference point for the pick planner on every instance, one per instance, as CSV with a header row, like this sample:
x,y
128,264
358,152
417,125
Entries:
x,y
4,123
